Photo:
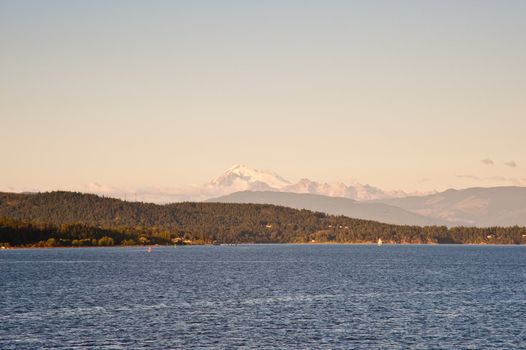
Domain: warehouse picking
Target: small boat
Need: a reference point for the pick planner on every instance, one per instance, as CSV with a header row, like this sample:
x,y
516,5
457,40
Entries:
x,y
379,242
149,250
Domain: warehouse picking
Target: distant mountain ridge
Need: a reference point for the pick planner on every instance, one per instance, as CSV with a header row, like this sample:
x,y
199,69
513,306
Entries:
x,y
481,207
477,206
332,205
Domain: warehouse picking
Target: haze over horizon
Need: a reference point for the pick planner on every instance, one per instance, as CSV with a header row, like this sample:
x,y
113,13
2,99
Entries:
x,y
413,96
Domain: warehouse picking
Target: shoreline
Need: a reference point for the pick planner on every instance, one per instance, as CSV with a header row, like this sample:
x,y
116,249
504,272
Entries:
x,y
261,244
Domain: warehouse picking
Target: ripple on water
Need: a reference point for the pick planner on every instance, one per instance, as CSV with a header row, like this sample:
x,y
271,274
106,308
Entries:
x,y
271,296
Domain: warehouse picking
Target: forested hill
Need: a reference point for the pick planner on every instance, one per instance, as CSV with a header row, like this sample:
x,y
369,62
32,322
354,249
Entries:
x,y
69,216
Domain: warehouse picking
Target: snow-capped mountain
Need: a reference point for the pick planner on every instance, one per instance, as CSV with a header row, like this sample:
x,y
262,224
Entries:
x,y
241,178
244,178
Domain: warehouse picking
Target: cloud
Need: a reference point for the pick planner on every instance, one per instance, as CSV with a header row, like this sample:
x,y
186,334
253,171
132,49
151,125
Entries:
x,y
154,194
499,178
487,161
472,177
511,164
24,189
508,180
95,187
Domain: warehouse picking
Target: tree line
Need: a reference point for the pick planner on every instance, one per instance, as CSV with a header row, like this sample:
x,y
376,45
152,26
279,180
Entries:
x,y
77,219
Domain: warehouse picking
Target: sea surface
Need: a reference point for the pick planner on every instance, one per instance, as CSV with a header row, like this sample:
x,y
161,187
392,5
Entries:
x,y
265,296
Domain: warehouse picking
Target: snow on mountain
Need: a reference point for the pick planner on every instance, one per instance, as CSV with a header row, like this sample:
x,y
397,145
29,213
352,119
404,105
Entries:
x,y
355,191
241,177
313,187
244,178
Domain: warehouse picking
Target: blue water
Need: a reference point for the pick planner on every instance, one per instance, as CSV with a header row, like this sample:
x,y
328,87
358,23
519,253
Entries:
x,y
264,296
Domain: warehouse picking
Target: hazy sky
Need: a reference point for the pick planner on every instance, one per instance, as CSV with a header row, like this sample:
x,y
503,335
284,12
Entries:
x,y
407,95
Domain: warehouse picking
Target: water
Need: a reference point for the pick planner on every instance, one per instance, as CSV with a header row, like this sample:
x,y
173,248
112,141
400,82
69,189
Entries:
x,y
264,296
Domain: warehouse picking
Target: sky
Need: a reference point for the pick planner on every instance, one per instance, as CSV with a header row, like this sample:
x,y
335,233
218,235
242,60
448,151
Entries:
x,y
412,95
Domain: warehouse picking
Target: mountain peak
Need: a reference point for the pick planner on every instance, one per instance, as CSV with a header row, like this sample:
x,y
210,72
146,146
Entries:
x,y
238,167
243,177
242,170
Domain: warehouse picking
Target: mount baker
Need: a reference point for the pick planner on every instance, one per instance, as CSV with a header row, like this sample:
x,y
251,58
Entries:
x,y
243,178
